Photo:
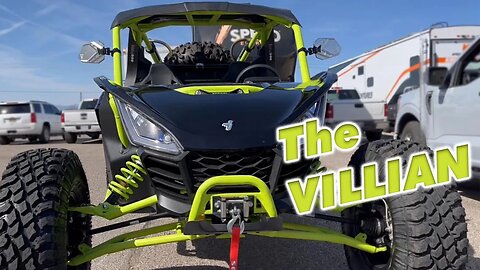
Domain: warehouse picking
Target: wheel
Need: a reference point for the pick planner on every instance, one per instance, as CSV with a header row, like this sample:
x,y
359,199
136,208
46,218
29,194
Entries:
x,y
94,136
36,230
45,135
413,132
424,229
70,137
198,52
4,140
373,135
32,139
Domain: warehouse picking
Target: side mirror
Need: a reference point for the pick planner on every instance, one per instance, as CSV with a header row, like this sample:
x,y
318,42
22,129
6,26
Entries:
x,y
325,48
436,75
93,52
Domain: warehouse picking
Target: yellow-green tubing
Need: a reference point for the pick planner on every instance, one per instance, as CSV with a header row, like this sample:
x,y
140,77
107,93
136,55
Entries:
x,y
302,55
118,121
109,211
336,239
202,198
149,46
123,242
117,56
250,46
291,231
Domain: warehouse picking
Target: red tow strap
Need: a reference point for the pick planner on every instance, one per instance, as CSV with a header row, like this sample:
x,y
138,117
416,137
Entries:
x,y
234,247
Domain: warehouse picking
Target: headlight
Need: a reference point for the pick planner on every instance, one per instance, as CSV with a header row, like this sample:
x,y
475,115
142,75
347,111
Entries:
x,y
142,131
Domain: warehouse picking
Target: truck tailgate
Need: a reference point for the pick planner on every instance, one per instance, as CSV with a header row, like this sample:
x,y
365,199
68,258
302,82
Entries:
x,y
80,117
356,110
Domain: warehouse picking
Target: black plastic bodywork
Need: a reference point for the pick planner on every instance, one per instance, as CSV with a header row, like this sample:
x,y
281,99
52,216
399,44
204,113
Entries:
x,y
245,12
209,150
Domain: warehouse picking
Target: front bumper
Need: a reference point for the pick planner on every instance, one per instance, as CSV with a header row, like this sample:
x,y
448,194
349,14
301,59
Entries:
x,y
177,178
198,214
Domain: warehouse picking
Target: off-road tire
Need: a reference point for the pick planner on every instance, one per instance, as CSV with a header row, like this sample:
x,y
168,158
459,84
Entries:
x,y
429,229
373,135
36,231
45,135
70,137
4,140
198,52
412,131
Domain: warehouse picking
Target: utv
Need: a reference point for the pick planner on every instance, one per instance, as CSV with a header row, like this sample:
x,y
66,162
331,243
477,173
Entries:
x,y
191,135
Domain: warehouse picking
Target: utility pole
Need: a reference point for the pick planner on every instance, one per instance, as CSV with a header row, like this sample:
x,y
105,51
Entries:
x,y
81,96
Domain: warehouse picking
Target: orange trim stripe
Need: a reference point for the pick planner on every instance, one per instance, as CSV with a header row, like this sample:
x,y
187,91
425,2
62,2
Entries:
x,y
411,69
359,63
405,72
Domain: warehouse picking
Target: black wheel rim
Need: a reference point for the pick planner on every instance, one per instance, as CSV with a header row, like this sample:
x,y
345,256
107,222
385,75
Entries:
x,y
377,210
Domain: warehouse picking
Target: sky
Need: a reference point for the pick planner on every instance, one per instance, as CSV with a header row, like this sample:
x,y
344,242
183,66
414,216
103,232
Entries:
x,y
40,39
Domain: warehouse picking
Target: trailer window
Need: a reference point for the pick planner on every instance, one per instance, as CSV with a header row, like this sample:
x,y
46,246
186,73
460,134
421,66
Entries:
x,y
369,81
360,70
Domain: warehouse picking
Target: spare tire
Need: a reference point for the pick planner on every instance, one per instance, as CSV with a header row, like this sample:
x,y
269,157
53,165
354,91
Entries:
x,y
198,52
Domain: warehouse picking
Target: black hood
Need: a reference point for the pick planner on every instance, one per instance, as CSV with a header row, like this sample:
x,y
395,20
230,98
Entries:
x,y
197,120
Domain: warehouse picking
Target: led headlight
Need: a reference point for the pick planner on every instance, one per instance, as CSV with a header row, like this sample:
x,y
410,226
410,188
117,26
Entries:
x,y
142,131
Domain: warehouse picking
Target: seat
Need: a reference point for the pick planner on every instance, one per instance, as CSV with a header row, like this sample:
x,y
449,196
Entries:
x,y
234,70
160,74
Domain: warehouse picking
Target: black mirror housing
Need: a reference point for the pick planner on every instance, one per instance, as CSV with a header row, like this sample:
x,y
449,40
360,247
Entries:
x,y
436,75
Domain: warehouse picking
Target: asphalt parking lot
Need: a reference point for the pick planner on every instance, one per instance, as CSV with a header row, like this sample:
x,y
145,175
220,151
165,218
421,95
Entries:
x,y
255,253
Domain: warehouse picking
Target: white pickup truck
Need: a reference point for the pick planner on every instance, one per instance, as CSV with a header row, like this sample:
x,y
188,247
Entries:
x,y
446,108
81,121
345,105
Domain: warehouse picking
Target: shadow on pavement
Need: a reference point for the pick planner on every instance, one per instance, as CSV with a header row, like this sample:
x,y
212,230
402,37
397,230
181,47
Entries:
x,y
269,253
470,189
473,262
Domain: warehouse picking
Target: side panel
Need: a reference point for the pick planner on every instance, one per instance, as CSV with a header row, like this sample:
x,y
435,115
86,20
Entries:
x,y
116,155
385,73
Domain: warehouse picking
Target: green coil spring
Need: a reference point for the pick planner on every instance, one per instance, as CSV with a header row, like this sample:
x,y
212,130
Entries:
x,y
123,183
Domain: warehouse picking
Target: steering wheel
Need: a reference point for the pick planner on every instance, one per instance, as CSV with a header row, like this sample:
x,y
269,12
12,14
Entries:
x,y
246,40
252,67
163,43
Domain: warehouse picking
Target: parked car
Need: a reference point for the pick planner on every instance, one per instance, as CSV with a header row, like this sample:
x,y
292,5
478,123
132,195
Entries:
x,y
35,120
345,105
443,111
81,121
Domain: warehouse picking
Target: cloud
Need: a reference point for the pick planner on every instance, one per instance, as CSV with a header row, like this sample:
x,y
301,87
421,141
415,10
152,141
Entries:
x,y
20,75
46,10
41,29
11,28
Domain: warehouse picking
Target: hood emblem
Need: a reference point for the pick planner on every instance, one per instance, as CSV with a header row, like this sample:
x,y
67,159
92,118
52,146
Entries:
x,y
228,125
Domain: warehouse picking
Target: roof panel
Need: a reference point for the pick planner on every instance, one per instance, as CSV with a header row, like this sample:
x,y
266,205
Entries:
x,y
170,9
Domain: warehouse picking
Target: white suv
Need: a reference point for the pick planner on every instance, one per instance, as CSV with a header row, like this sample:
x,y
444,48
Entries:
x,y
35,120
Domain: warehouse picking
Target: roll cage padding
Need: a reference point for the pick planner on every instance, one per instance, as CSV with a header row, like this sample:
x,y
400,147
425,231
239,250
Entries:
x,y
138,66
161,74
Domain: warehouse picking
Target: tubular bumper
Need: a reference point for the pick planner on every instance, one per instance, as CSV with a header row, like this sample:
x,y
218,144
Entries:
x,y
141,238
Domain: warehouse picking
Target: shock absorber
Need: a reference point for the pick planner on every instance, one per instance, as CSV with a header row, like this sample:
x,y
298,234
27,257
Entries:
x,y
123,184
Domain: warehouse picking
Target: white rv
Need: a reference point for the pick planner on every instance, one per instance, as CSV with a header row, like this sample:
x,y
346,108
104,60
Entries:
x,y
383,74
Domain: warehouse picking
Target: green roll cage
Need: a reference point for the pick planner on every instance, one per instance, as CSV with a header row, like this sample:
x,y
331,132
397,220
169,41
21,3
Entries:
x,y
143,237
